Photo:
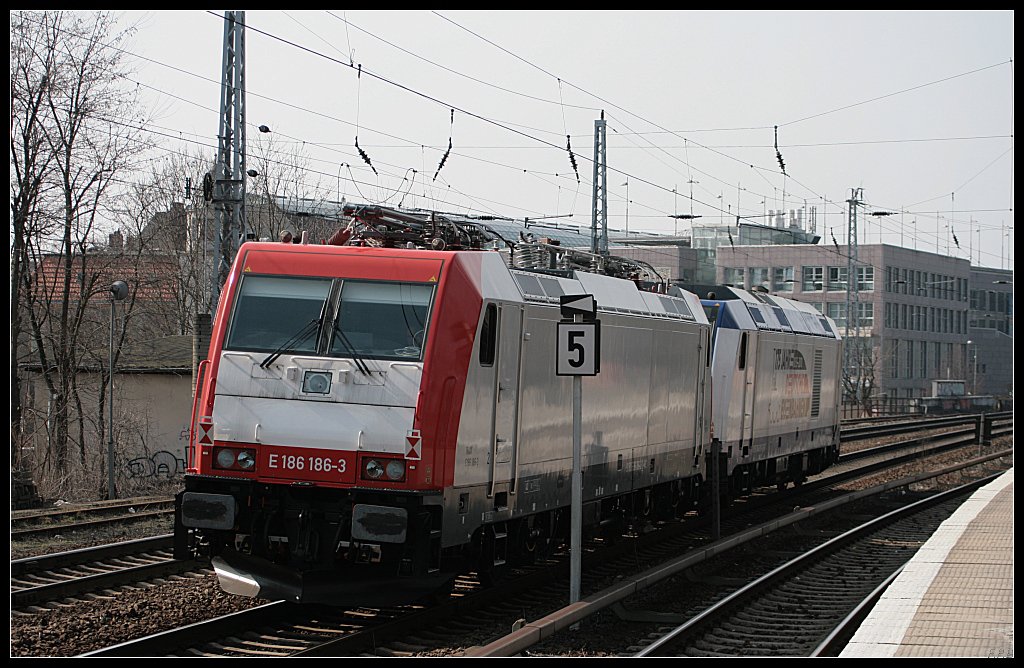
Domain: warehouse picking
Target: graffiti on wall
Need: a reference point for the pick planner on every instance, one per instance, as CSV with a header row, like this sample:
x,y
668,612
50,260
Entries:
x,y
161,464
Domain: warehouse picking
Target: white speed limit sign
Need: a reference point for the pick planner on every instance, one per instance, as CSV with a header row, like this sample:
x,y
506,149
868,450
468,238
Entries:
x,y
579,349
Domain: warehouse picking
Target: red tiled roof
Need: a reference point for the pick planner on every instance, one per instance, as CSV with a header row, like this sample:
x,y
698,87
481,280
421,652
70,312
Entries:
x,y
155,277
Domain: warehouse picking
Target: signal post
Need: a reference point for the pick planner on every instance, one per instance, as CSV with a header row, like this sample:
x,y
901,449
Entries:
x,y
578,354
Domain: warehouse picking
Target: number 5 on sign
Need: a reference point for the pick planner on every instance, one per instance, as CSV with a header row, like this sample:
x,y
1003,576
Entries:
x,y
579,349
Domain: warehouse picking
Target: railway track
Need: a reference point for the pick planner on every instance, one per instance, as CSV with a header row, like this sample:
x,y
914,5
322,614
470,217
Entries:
x,y
691,583
37,523
798,608
37,580
469,617
879,427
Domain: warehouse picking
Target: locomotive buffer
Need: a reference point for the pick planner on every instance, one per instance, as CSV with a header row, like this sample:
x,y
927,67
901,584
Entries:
x,y
577,354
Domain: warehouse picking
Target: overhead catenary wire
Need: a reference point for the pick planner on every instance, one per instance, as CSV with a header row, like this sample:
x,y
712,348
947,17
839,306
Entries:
x,y
438,101
706,204
638,179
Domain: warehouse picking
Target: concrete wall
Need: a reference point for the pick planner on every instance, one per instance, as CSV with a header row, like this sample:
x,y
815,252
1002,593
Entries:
x,y
151,419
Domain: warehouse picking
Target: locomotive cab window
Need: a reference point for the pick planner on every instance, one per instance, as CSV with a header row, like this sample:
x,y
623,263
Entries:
x,y
488,335
283,314
276,312
381,320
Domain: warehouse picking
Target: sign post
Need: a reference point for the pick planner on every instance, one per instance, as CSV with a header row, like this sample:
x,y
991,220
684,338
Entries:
x,y
578,354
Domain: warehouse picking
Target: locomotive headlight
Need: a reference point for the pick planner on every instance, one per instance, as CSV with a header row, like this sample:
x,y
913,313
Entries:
x,y
373,469
384,468
225,458
234,459
246,459
316,382
395,469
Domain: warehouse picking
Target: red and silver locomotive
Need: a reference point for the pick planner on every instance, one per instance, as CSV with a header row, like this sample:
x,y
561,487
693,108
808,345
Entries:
x,y
372,419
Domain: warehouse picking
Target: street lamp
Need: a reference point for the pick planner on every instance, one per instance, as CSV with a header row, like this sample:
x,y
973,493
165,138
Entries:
x,y
118,291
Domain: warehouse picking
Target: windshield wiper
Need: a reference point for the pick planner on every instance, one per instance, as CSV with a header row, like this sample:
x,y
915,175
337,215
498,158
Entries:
x,y
360,364
300,336
303,334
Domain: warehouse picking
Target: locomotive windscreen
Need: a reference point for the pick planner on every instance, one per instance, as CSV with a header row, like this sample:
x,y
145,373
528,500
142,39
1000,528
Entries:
x,y
382,320
336,318
273,310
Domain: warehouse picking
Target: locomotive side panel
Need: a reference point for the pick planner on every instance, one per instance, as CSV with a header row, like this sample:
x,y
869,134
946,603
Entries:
x,y
675,428
636,382
732,370
794,400
472,449
784,395
651,373
775,385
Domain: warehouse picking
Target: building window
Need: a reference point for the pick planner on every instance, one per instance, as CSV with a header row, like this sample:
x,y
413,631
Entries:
x,y
866,278
903,316
894,358
814,279
837,311
759,277
924,359
866,314
818,306
783,279
837,279
734,277
910,359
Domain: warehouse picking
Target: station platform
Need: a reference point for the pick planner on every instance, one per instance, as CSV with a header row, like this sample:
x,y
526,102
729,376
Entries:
x,y
955,596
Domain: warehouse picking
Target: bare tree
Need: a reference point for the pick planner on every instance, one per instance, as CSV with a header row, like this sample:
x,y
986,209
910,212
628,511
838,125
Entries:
x,y
31,70
162,217
861,375
282,174
75,123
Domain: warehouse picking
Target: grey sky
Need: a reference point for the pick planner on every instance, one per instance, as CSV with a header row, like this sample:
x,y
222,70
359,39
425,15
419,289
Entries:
x,y
675,87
